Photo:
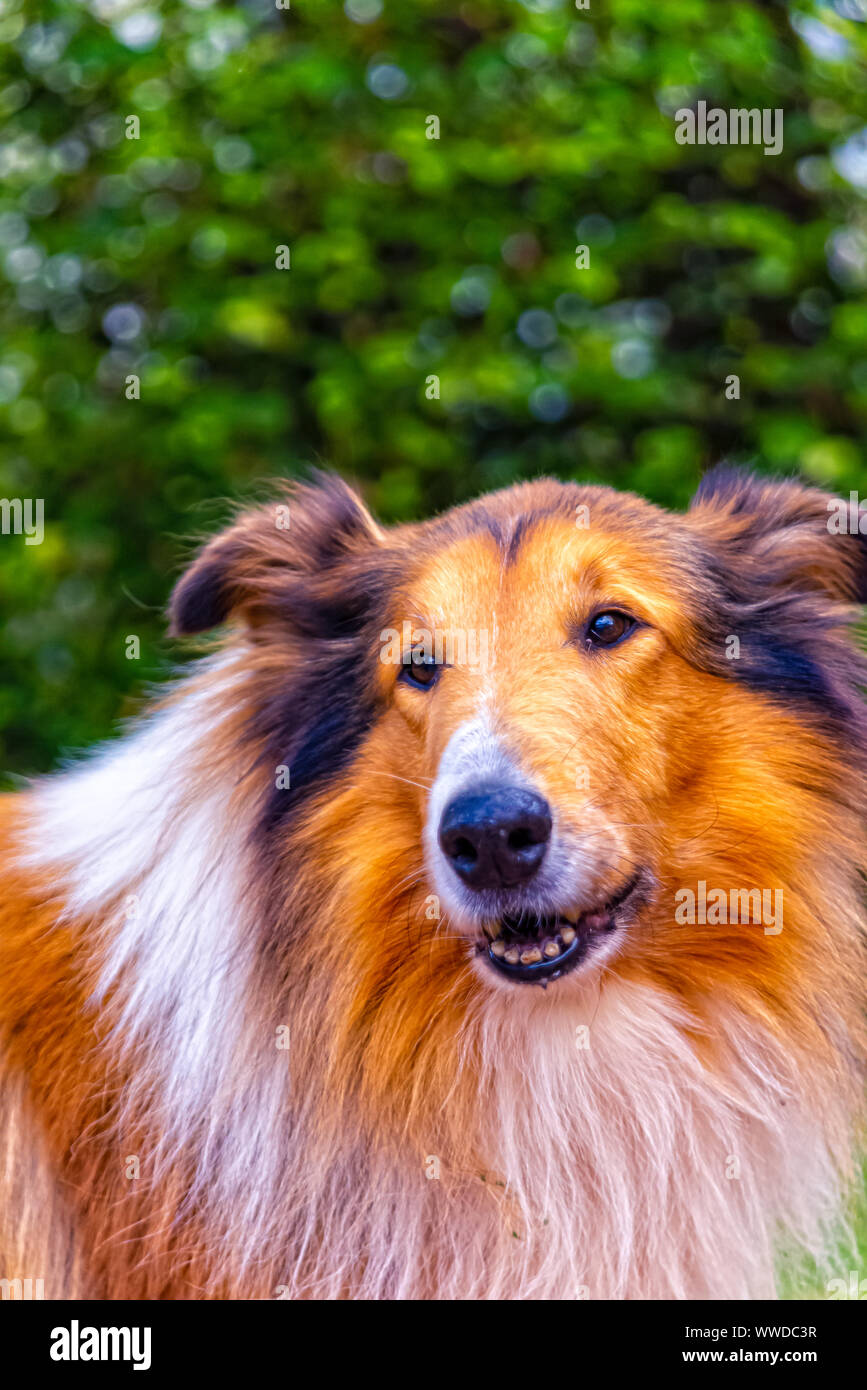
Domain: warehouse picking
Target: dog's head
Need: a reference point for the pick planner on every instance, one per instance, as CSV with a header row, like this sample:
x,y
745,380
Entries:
x,y
537,718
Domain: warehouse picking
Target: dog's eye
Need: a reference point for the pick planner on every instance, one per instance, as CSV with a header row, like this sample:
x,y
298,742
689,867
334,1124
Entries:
x,y
419,669
609,628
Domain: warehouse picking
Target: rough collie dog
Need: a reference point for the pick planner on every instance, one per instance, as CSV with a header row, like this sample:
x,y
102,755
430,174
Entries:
x,y
482,919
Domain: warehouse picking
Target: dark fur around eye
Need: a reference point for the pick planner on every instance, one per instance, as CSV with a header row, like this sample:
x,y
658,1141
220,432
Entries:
x,y
419,670
609,628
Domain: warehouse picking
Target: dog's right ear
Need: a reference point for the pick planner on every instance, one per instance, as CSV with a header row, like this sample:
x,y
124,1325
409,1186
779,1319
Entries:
x,y
289,561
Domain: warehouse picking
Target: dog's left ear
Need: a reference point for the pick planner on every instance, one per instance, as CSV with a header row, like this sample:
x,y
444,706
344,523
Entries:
x,y
307,560
782,536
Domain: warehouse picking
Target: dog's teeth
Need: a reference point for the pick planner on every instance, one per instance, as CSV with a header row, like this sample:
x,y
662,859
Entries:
x,y
551,949
512,956
531,956
498,948
567,935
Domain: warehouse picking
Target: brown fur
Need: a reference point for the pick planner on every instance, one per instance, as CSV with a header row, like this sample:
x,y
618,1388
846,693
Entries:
x,y
745,775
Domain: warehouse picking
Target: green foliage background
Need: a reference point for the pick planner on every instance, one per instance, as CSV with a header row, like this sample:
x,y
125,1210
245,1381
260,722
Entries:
x,y
307,128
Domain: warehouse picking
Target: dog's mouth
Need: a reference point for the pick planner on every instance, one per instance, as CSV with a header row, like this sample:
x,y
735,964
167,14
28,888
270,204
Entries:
x,y
534,949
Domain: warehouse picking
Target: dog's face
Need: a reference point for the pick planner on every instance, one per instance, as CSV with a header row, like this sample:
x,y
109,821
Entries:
x,y
561,704
543,696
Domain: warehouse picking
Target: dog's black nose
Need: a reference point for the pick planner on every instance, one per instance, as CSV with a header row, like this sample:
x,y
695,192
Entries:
x,y
495,838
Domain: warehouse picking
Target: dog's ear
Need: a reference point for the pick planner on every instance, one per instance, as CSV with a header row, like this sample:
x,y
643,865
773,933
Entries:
x,y
781,536
289,561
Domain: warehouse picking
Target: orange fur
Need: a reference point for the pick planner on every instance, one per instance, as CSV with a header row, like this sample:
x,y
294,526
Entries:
x,y
400,1049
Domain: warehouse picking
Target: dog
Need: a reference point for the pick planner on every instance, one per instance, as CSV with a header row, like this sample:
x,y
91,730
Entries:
x,y
481,916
